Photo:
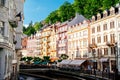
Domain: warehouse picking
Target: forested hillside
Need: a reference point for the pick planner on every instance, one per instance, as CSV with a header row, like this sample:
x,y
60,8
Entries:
x,y
67,11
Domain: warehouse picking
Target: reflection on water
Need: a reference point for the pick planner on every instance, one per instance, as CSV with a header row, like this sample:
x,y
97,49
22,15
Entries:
x,y
22,77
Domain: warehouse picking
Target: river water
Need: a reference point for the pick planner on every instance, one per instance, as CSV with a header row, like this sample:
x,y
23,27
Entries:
x,y
23,77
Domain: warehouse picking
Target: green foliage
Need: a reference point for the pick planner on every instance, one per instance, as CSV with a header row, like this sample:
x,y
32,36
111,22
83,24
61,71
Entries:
x,y
29,58
88,8
46,58
37,60
37,26
64,56
52,17
66,11
23,59
29,30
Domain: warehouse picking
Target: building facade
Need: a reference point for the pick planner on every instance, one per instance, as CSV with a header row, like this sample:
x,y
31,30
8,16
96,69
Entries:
x,y
104,30
53,39
77,36
62,38
9,22
78,39
45,41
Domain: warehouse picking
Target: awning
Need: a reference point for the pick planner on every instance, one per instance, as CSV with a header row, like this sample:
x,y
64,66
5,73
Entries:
x,y
103,59
77,62
65,62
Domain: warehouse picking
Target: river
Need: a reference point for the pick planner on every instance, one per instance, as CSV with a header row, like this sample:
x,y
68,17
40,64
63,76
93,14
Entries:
x,y
24,77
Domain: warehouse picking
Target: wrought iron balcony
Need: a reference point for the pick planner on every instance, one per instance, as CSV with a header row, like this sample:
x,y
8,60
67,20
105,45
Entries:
x,y
110,44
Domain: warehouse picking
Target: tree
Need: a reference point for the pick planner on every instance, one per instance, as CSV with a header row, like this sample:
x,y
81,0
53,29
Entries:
x,y
64,56
79,6
24,29
66,11
92,7
52,17
37,26
28,59
30,29
108,3
37,60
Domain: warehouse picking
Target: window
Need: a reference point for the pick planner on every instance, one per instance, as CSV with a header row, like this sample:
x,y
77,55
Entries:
x,y
2,28
2,2
105,38
111,12
119,24
99,51
111,24
98,28
112,38
112,50
93,30
85,53
119,37
84,43
85,33
98,17
105,27
99,39
93,40
80,34
105,14
105,51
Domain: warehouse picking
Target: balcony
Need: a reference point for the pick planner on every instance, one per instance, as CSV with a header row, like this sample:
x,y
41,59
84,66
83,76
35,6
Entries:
x,y
48,35
41,47
13,24
110,44
41,41
48,40
48,46
4,42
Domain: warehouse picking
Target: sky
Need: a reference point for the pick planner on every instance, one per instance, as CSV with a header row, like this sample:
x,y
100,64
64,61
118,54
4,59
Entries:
x,y
38,10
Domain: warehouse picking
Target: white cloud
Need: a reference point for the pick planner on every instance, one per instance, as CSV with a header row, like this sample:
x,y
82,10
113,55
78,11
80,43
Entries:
x,y
26,25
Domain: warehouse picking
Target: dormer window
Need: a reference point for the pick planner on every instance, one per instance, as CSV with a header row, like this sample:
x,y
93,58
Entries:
x,y
98,16
105,13
112,10
93,18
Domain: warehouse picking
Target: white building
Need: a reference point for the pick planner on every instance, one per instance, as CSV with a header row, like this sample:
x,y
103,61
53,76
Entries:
x,y
105,32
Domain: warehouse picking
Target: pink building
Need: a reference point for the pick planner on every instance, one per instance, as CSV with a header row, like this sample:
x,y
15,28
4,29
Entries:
x,y
62,38
32,46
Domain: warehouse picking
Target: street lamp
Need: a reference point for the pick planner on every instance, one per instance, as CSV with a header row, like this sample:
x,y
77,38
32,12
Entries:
x,y
92,47
116,57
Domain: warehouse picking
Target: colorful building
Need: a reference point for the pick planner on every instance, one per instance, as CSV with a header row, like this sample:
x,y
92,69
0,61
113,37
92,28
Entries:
x,y
45,40
78,38
104,30
53,39
32,46
62,38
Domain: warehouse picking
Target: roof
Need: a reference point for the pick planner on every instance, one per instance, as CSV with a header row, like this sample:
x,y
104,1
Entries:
x,y
77,19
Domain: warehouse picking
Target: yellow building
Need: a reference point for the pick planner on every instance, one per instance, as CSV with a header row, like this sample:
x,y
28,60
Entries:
x,y
53,41
45,41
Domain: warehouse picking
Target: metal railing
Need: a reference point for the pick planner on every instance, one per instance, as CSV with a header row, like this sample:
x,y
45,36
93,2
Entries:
x,y
98,74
